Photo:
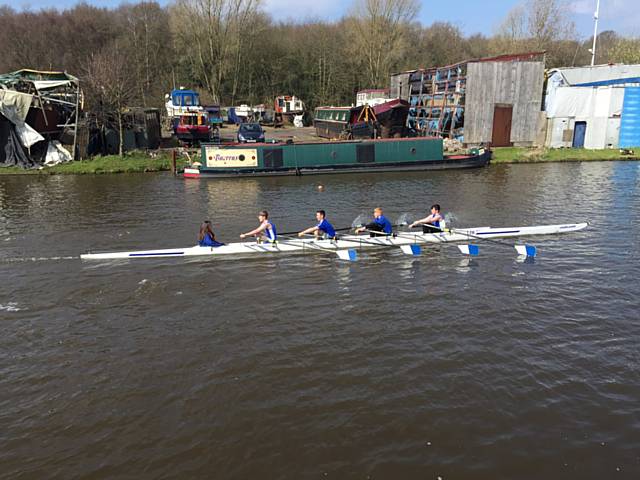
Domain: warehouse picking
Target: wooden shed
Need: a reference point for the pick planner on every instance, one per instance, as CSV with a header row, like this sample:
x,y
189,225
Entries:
x,y
504,103
496,100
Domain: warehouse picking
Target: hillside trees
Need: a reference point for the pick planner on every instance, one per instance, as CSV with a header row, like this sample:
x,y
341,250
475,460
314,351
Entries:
x,y
233,52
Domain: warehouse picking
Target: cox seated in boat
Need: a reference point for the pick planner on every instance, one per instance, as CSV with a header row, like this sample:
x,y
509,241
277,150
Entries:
x,y
322,229
266,231
380,226
206,237
434,223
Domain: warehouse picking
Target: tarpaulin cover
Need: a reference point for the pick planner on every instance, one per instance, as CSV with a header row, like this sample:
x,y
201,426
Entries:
x,y
584,103
18,100
27,135
56,153
12,153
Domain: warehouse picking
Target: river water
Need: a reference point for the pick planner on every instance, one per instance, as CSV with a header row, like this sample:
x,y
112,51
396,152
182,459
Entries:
x,y
304,366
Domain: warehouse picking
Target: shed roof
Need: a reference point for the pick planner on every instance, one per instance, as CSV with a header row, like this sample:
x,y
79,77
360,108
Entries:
x,y
598,75
41,79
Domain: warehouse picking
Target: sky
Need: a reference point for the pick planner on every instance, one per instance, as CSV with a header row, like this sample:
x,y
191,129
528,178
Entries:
x,y
472,16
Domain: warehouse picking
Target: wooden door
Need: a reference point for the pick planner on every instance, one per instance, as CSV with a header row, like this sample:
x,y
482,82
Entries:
x,y
501,135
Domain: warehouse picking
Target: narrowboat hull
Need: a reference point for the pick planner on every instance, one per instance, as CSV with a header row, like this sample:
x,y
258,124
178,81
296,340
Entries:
x,y
390,155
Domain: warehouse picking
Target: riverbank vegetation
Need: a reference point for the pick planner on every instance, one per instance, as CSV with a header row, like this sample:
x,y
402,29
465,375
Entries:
x,y
534,155
134,162
233,52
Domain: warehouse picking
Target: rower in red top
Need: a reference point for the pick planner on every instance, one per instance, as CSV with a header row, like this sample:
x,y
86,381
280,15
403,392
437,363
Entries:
x,y
433,223
266,231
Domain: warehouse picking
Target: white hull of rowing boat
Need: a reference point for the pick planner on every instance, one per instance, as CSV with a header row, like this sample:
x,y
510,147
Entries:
x,y
344,243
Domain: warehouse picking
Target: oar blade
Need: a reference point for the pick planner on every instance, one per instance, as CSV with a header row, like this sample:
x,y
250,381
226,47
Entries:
x,y
471,250
349,255
526,250
413,249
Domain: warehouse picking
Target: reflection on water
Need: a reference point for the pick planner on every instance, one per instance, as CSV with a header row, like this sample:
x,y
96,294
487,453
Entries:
x,y
299,366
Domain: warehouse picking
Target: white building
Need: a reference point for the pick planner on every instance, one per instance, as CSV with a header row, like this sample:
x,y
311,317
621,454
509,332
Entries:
x,y
372,97
593,107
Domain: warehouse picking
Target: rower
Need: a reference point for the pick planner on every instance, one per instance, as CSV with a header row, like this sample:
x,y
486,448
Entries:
x,y
379,224
433,223
206,237
266,231
323,228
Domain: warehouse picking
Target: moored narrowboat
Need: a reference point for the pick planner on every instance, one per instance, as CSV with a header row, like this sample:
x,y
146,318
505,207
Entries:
x,y
265,159
384,119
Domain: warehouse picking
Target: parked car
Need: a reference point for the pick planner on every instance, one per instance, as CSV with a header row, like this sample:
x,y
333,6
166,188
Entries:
x,y
250,133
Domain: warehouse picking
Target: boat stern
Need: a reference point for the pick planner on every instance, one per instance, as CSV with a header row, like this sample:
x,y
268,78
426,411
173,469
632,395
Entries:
x,y
191,172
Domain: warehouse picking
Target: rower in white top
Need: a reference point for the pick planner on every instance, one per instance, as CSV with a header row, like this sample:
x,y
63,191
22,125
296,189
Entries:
x,y
266,231
433,223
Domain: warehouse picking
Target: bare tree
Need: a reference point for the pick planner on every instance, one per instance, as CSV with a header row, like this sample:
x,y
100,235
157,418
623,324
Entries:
x,y
536,25
378,35
146,36
111,85
210,35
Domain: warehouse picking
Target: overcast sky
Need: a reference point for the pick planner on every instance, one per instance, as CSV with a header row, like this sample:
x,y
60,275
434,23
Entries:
x,y
472,16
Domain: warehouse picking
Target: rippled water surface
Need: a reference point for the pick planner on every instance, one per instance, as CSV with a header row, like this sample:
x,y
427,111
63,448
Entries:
x,y
296,367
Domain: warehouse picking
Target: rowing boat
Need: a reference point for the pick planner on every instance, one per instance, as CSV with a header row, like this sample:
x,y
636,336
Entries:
x,y
345,243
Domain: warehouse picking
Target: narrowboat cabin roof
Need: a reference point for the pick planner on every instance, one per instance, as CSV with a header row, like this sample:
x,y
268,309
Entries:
x,y
335,108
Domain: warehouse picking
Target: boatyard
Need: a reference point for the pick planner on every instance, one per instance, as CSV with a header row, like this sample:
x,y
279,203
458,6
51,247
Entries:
x,y
373,239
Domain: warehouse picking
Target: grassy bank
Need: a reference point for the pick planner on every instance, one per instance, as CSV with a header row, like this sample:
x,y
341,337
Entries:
x,y
136,162
533,155
133,162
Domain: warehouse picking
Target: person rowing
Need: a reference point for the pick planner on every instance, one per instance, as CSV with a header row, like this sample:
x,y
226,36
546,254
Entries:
x,y
433,223
379,224
266,231
323,228
206,237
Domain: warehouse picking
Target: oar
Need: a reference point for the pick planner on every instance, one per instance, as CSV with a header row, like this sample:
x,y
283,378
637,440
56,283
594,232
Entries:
x,y
349,254
468,249
344,229
474,250
413,249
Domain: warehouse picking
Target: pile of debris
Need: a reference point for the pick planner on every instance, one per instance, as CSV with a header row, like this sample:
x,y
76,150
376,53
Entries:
x,y
452,145
38,114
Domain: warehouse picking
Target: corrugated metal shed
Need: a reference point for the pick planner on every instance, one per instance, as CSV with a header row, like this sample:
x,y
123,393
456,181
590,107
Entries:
x,y
630,123
491,85
591,103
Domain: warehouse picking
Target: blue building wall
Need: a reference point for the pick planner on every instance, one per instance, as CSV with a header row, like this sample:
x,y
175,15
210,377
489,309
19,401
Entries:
x,y
630,121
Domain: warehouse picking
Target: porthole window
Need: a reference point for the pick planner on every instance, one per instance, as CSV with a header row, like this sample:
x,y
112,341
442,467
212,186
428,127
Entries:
x,y
241,158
